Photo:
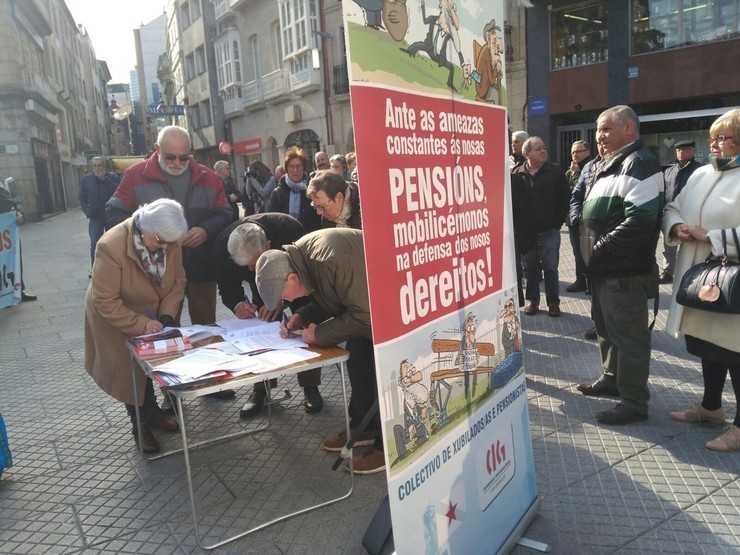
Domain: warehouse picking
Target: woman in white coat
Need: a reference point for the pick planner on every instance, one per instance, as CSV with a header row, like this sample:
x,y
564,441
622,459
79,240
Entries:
x,y
708,205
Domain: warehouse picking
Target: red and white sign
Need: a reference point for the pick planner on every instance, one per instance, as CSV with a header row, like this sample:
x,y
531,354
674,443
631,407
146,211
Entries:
x,y
248,146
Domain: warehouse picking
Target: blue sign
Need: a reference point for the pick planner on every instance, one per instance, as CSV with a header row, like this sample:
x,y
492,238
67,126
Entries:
x,y
10,261
633,72
538,107
164,110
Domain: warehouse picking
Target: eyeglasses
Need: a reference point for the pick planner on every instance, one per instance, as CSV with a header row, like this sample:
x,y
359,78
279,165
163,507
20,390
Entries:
x,y
719,139
322,206
577,151
161,241
173,157
295,166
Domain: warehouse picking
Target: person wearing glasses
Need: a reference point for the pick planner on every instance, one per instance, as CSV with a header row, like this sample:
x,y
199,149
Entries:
x,y
675,177
137,288
171,172
289,197
237,249
338,164
337,201
705,208
580,155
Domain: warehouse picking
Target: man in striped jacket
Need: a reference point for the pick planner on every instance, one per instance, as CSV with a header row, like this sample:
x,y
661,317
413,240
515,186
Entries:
x,y
618,237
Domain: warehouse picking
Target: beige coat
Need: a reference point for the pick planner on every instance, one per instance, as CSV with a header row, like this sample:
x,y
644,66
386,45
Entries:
x,y
115,309
710,199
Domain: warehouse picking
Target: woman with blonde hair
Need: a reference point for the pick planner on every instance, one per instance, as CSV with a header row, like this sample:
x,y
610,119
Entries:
x,y
707,208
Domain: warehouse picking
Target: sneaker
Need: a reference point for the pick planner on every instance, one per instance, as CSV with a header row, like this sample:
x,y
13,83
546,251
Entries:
x,y
697,413
577,286
726,443
371,462
600,388
334,444
620,415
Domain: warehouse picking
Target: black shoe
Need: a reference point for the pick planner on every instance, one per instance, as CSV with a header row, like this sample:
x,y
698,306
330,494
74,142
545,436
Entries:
x,y
600,388
26,297
254,404
223,395
577,286
591,334
665,277
620,415
312,400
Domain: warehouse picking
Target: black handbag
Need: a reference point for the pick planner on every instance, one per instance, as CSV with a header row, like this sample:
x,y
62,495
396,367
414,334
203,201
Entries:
x,y
713,285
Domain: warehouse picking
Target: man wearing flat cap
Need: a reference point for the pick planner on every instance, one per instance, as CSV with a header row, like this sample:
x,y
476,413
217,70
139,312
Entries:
x,y
675,177
329,266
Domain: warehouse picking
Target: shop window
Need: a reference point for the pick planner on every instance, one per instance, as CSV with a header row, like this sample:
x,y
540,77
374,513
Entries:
x,y
578,36
661,24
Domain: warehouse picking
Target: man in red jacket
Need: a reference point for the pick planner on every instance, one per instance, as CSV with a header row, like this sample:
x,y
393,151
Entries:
x,y
172,173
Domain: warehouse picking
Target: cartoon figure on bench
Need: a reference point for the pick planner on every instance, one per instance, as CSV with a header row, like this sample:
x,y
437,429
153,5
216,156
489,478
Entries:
x,y
415,409
468,357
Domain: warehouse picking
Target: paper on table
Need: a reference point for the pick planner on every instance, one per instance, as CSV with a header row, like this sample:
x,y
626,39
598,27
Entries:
x,y
254,329
283,357
200,362
261,342
234,324
197,332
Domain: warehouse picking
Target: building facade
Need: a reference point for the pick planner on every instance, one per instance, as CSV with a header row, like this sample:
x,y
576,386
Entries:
x,y
667,59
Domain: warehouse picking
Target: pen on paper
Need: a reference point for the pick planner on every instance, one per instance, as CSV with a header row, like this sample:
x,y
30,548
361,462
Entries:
x,y
290,333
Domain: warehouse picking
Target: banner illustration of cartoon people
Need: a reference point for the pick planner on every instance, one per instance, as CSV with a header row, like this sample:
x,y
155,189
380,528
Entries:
x,y
427,86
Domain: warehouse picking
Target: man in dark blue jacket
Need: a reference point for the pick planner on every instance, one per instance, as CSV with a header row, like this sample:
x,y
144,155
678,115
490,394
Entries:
x,y
96,189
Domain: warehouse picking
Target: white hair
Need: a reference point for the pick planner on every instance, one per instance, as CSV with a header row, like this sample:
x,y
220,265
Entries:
x,y
163,217
172,131
246,241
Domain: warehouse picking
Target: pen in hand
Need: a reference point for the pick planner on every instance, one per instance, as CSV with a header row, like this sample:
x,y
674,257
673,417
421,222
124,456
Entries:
x,y
285,323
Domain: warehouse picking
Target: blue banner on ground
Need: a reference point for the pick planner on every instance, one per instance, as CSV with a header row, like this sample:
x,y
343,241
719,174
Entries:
x,y
10,261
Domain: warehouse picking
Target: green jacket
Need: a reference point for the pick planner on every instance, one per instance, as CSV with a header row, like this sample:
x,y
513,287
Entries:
x,y
331,264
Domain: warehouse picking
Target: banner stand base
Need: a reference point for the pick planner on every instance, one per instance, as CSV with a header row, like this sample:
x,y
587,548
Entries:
x,y
516,534
533,544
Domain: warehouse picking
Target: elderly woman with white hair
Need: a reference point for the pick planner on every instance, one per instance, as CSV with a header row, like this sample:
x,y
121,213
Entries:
x,y
137,287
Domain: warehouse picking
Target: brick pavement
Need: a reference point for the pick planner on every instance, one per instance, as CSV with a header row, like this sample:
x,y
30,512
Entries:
x,y
78,484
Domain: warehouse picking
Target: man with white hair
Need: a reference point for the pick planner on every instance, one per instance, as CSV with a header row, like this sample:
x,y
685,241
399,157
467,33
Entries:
x,y
171,172
223,171
516,158
237,249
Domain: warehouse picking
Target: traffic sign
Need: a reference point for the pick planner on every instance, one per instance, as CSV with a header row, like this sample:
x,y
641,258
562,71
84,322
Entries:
x,y
91,153
165,110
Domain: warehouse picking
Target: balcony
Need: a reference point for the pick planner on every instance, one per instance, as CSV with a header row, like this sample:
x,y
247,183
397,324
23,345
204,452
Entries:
x,y
233,106
276,86
35,85
224,8
252,96
340,79
305,82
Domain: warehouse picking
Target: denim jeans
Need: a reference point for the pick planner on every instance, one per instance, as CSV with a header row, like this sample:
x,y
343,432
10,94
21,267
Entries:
x,y
574,235
95,228
547,253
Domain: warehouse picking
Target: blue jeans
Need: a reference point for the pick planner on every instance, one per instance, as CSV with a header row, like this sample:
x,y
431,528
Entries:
x,y
95,228
547,253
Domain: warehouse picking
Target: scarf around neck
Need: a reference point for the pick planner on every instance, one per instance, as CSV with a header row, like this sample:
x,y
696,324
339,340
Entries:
x,y
154,263
297,192
724,163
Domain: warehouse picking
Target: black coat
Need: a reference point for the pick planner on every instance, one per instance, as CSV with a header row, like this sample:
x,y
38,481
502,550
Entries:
x,y
280,230
280,202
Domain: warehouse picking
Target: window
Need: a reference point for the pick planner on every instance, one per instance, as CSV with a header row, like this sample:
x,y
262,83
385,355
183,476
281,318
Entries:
x,y
200,60
190,67
278,45
578,36
185,15
194,112
254,47
298,20
205,113
228,60
662,24
194,10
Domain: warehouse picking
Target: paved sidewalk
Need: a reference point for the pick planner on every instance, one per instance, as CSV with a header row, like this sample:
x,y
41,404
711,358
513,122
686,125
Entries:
x,y
79,485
